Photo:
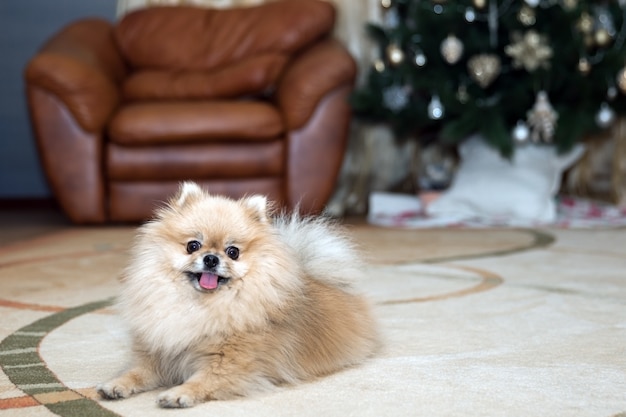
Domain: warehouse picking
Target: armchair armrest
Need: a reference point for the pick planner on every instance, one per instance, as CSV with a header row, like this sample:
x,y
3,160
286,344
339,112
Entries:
x,y
313,74
80,65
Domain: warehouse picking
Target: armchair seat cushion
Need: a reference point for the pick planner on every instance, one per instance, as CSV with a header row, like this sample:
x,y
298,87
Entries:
x,y
196,161
156,123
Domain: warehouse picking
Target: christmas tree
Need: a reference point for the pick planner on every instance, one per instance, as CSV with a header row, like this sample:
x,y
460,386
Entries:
x,y
548,71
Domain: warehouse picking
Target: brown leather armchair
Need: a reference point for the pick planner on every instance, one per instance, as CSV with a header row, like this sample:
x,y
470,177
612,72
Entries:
x,y
244,100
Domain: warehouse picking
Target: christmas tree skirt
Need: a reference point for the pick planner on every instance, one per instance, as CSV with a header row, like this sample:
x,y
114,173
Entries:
x,y
407,211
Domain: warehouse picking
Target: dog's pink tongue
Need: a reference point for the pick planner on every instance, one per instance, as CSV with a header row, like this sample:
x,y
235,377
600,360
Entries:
x,y
208,281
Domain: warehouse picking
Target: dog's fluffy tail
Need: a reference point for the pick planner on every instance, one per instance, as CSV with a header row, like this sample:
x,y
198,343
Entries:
x,y
324,249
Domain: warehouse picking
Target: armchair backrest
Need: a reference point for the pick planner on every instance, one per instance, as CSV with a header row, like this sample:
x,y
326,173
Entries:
x,y
193,38
181,52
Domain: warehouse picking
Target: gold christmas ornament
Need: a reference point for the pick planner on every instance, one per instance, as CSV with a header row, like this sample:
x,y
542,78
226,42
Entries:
x,y
602,37
451,49
395,54
530,51
379,65
385,3
526,16
541,119
484,68
621,80
570,5
585,24
479,4
584,66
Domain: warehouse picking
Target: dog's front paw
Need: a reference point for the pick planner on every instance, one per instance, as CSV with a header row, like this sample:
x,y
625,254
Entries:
x,y
176,397
113,391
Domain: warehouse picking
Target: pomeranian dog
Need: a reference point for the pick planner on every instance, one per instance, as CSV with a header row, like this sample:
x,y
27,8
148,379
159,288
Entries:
x,y
224,299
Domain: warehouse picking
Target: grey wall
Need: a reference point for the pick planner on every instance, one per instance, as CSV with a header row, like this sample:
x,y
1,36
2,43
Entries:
x,y
24,26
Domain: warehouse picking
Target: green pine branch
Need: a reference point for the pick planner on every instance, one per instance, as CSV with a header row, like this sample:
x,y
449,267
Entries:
x,y
494,109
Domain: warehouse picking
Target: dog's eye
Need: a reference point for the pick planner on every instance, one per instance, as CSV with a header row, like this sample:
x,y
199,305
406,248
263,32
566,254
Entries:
x,y
232,252
193,246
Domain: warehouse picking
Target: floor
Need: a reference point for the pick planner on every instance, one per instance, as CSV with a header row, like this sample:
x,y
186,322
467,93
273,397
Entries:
x,y
507,322
22,223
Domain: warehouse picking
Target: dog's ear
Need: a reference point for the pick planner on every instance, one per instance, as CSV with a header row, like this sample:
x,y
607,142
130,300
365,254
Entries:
x,y
259,206
187,192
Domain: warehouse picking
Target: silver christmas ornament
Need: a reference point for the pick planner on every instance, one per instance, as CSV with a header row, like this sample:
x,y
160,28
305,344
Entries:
x,y
435,108
420,59
604,20
396,97
611,92
451,49
470,15
391,19
605,116
520,133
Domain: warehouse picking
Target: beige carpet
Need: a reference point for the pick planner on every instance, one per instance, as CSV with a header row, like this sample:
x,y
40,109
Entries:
x,y
476,323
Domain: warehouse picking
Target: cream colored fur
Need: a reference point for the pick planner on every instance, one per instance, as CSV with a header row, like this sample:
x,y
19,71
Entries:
x,y
284,311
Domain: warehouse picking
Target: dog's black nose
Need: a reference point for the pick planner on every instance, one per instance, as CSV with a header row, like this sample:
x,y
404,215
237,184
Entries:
x,y
211,261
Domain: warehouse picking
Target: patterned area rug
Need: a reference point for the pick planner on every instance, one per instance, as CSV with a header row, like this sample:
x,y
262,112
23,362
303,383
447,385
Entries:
x,y
513,322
